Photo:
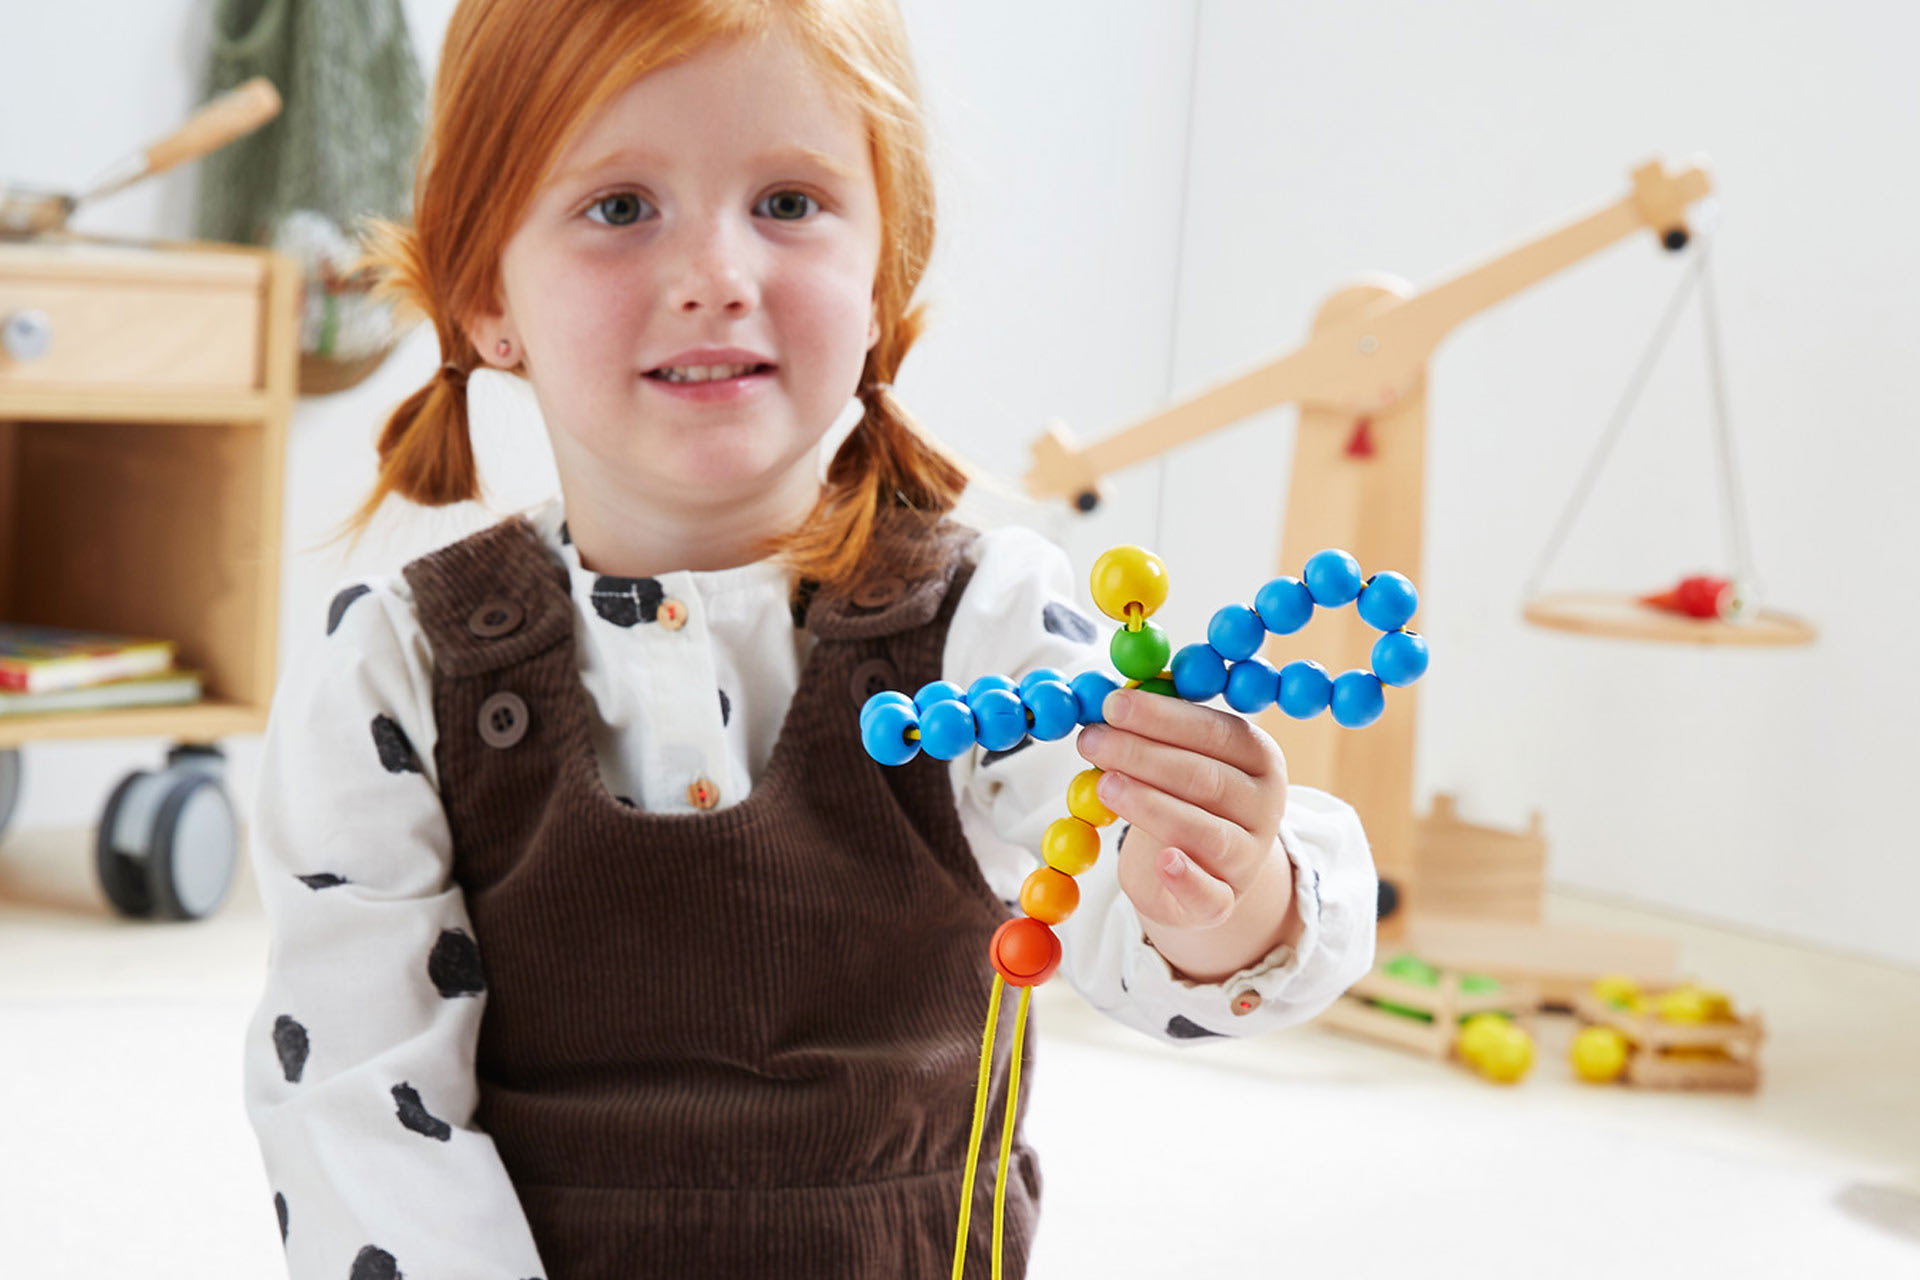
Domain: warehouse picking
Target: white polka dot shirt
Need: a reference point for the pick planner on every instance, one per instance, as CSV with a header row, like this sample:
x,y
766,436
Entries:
x,y
360,1058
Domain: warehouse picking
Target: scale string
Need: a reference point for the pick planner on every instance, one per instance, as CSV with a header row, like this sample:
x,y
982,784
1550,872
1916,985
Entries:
x,y
1635,385
1736,515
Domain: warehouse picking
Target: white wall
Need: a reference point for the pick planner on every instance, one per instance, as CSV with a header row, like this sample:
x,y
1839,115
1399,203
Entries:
x,y
1092,264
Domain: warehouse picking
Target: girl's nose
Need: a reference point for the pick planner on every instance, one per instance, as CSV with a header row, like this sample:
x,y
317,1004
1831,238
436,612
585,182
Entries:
x,y
714,276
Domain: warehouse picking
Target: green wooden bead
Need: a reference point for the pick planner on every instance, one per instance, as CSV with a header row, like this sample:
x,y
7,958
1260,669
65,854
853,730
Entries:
x,y
1142,654
1159,684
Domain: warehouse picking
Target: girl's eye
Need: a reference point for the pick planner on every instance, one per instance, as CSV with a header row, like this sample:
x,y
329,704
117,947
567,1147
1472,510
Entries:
x,y
623,209
788,206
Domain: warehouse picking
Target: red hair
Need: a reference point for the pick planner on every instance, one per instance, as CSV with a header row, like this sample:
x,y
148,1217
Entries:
x,y
546,66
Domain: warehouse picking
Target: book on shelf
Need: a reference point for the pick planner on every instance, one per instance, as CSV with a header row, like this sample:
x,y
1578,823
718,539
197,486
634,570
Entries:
x,y
159,689
49,659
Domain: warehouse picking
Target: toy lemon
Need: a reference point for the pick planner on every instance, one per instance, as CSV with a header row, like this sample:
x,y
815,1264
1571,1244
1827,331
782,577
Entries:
x,y
1480,1033
1507,1056
1687,1005
1616,989
1599,1054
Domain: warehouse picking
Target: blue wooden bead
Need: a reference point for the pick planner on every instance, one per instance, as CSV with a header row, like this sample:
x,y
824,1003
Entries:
x,y
1305,688
1056,712
1334,578
1090,690
946,729
885,733
999,717
938,691
1035,676
1199,672
1387,601
1236,632
985,683
1400,657
1252,685
881,699
1357,699
1285,605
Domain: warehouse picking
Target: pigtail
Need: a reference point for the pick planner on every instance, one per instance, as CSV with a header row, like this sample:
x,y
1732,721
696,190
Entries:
x,y
426,449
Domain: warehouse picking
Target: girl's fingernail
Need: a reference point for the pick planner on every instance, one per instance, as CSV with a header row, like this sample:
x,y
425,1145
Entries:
x,y
1116,707
1173,864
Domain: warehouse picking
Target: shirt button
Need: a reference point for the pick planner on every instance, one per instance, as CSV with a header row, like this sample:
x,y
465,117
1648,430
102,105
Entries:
x,y
703,794
503,720
879,592
496,618
870,677
671,614
1245,1002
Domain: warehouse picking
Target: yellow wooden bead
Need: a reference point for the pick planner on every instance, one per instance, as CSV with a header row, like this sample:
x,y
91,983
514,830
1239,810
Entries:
x,y
1083,802
1070,845
1049,896
1128,575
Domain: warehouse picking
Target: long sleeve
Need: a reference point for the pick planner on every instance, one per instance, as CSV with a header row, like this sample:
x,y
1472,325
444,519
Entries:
x,y
359,1060
1018,614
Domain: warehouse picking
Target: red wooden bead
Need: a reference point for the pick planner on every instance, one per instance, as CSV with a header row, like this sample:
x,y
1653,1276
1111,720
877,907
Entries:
x,y
1024,951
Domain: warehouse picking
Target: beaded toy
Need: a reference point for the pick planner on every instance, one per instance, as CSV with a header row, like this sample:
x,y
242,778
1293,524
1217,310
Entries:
x,y
1129,585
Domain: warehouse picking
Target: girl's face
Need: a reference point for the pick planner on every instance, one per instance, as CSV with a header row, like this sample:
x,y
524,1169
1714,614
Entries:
x,y
692,288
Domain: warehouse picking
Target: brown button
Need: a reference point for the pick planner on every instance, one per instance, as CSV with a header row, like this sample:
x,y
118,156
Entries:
x,y
703,794
878,593
875,675
1245,1002
671,614
503,720
496,618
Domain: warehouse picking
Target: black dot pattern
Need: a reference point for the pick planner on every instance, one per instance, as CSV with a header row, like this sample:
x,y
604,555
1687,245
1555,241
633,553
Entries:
x,y
625,601
280,1212
1181,1029
726,708
995,757
415,1116
390,740
454,965
566,535
290,1042
627,801
338,609
374,1263
803,594
1067,622
324,880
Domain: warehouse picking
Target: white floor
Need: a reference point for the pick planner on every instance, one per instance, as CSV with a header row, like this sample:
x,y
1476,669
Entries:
x,y
124,1151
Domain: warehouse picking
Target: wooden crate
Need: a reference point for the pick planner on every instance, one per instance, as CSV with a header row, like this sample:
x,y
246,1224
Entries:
x,y
1464,870
1356,1013
1652,1060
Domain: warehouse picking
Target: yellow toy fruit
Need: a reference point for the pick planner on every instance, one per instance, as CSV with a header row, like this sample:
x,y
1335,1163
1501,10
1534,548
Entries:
x,y
1719,1006
1479,1033
1599,1054
1128,575
1508,1056
1616,989
1083,801
1070,845
1686,1005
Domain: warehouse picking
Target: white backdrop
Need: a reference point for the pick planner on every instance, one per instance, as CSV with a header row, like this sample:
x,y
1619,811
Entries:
x,y
1143,196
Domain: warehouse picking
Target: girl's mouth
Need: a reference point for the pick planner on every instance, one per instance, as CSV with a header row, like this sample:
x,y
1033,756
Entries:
x,y
712,382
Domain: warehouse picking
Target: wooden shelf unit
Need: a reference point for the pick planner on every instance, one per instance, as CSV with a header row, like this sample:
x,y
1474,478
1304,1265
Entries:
x,y
141,465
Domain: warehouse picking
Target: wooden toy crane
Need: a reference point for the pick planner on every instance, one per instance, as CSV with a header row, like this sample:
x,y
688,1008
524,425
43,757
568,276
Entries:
x,y
1359,471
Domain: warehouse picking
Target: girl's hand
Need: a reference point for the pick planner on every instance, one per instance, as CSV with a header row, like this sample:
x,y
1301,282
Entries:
x,y
1204,791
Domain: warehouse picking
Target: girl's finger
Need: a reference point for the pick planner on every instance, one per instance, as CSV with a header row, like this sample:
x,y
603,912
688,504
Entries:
x,y
1220,735
1200,780
1169,890
1223,849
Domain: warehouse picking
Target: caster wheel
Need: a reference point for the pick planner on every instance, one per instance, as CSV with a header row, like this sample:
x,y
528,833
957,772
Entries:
x,y
9,785
167,844
1389,901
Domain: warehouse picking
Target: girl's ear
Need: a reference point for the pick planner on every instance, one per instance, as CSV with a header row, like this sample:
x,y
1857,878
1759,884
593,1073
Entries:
x,y
873,326
489,334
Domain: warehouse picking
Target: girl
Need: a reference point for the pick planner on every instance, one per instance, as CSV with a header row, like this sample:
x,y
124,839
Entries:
x,y
599,946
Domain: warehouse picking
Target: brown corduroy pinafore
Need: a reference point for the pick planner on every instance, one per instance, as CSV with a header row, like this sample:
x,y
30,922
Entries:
x,y
736,1043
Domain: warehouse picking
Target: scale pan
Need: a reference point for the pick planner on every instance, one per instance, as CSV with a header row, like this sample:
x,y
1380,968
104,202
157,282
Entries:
x,y
1624,617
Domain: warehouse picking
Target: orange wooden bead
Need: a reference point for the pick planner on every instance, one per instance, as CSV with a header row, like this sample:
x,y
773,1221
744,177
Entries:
x,y
1083,802
1024,951
1049,896
1070,845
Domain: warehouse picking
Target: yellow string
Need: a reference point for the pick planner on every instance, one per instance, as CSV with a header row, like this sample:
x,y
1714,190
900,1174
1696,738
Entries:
x,y
979,1123
1006,1133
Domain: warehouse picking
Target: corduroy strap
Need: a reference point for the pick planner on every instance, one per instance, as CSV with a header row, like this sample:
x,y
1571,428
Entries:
x,y
468,594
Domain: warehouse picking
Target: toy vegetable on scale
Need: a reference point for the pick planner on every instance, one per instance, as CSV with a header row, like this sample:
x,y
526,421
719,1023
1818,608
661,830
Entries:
x,y
1129,584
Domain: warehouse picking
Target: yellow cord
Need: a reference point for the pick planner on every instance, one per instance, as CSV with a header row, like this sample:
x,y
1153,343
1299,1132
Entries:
x,y
979,1123
1006,1133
